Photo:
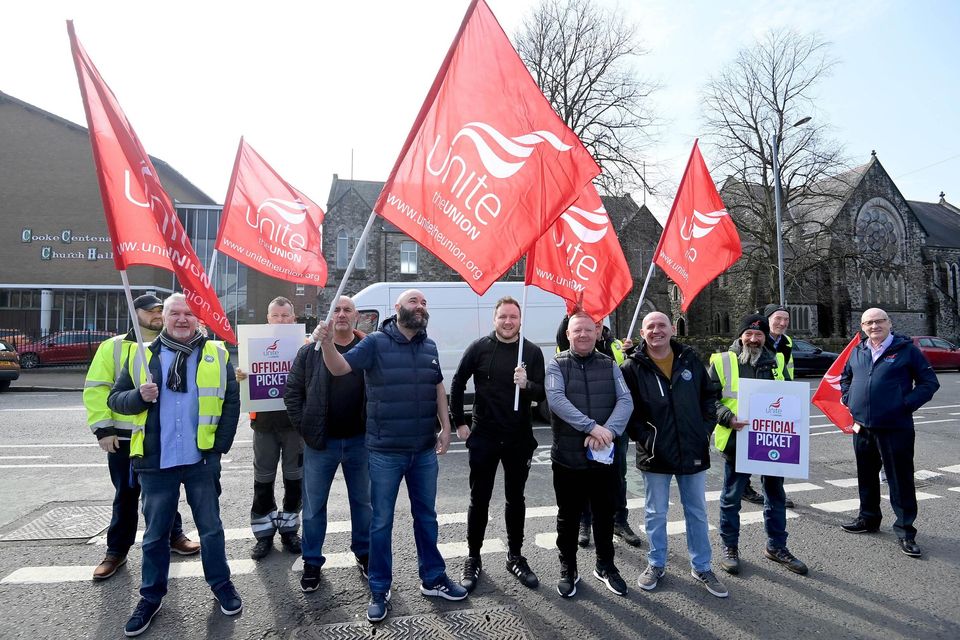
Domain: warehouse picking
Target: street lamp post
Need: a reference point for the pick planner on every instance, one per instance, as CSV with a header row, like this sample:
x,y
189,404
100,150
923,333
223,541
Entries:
x,y
774,143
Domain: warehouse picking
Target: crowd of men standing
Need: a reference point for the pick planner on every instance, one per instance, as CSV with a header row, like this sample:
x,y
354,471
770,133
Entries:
x,y
371,404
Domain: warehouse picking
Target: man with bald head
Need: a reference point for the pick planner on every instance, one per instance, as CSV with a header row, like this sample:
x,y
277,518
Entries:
x,y
884,382
674,412
405,397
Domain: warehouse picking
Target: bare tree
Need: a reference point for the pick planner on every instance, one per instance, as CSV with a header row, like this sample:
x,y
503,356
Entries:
x,y
581,57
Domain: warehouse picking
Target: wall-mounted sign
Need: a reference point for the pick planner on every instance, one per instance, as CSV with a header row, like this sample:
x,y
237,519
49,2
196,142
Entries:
x,y
90,253
64,236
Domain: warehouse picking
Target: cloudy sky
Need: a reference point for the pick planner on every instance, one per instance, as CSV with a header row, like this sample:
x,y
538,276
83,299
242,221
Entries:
x,y
311,83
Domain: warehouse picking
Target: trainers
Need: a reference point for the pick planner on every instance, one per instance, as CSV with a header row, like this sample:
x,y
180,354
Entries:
x,y
612,578
910,547
141,618
625,533
788,503
470,575
230,603
291,542
567,585
859,526
108,566
444,588
730,560
377,609
650,578
262,547
750,495
310,580
583,539
184,546
517,565
783,556
363,563
710,581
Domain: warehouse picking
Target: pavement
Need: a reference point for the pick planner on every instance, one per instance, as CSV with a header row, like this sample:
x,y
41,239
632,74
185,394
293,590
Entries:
x,y
69,378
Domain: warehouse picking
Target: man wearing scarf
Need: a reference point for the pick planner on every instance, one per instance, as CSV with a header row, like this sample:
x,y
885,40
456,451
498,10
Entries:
x,y
186,404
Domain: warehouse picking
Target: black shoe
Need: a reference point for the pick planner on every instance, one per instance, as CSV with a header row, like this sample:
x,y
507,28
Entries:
x,y
262,548
141,618
751,496
859,526
291,542
788,503
730,560
230,603
612,578
910,548
310,580
517,565
783,556
567,585
625,533
470,575
363,563
583,539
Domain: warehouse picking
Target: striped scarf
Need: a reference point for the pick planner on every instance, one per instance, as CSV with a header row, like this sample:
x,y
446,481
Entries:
x,y
177,373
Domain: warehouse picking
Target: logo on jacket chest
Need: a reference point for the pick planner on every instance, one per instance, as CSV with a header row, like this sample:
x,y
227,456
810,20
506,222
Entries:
x,y
687,375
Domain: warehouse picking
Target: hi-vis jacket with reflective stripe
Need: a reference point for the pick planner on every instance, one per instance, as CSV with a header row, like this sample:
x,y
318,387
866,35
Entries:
x,y
104,370
785,347
725,368
219,403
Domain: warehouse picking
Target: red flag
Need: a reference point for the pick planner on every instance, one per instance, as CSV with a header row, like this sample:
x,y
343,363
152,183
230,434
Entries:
x,y
143,223
270,226
827,395
488,166
580,257
699,240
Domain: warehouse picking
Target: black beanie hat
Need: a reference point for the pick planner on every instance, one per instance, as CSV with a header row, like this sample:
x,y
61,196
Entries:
x,y
754,321
771,309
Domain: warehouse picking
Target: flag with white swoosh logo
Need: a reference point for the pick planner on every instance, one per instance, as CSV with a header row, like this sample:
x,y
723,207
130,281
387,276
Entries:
x,y
827,395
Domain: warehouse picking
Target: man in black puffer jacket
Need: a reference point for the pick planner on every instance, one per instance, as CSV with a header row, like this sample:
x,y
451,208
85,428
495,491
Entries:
x,y
674,412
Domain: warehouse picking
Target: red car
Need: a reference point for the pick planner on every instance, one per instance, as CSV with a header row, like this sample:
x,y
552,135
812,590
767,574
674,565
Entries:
x,y
65,347
940,353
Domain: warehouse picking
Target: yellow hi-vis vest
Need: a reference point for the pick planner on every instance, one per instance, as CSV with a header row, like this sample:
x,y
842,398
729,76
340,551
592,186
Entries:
x,y
103,373
728,371
616,347
211,388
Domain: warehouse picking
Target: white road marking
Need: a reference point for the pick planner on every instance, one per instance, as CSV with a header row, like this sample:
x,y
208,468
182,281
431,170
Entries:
x,y
937,421
923,474
80,408
920,496
72,573
50,466
61,445
838,506
827,433
957,489
951,469
796,487
844,482
24,457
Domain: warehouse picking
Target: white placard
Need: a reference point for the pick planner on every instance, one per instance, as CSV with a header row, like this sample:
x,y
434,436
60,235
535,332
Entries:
x,y
265,352
776,440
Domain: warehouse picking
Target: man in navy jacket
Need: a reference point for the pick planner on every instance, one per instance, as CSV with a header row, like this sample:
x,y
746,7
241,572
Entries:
x,y
884,382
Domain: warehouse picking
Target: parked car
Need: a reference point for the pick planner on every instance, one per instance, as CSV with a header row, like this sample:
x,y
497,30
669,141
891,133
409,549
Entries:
x,y
65,347
940,353
9,365
14,337
811,360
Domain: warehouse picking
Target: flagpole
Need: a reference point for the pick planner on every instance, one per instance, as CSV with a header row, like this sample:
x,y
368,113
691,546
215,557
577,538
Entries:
x,y
141,352
211,272
523,310
349,269
643,293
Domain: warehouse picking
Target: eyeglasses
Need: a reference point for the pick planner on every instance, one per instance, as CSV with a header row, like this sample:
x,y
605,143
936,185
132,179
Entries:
x,y
870,323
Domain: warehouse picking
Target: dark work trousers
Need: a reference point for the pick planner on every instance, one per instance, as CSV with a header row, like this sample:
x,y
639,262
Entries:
x,y
126,504
575,489
485,456
620,461
893,448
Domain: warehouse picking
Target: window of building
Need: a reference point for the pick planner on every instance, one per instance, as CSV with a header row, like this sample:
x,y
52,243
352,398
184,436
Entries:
x,y
343,249
518,270
408,256
360,249
308,310
301,289
799,317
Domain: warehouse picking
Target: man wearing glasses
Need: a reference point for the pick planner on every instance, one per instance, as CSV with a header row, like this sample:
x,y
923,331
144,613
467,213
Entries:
x,y
884,382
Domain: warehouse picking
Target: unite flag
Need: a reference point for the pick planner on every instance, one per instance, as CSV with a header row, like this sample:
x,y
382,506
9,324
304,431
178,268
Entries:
x,y
488,166
142,220
270,226
827,395
699,239
580,258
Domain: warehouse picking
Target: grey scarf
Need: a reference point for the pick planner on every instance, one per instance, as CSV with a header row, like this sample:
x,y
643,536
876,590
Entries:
x,y
177,373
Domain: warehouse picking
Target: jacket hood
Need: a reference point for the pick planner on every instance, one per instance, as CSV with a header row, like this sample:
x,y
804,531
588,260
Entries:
x,y
390,328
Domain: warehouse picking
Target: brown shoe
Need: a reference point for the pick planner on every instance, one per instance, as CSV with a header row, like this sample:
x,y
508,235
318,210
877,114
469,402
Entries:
x,y
108,566
185,546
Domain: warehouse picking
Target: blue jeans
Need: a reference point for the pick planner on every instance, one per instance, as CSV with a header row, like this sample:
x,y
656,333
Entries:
x,y
420,472
319,469
774,508
693,498
161,493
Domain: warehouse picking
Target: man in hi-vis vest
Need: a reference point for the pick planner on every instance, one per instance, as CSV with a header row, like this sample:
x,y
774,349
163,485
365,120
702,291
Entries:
x,y
185,404
112,431
747,358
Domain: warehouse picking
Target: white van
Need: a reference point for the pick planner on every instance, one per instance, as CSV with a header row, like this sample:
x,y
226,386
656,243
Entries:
x,y
458,316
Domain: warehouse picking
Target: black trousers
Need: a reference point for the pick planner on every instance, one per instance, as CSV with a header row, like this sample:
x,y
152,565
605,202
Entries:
x,y
620,461
485,457
894,449
576,489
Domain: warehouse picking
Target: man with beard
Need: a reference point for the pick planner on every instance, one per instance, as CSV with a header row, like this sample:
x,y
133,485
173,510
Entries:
x,y
186,404
747,358
113,433
405,397
499,434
